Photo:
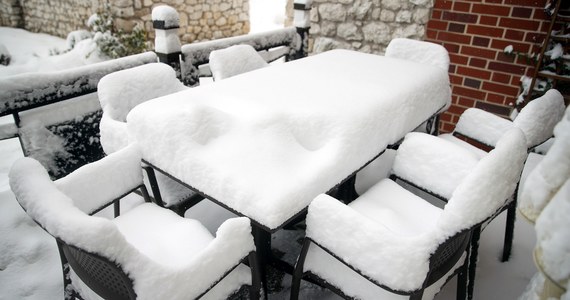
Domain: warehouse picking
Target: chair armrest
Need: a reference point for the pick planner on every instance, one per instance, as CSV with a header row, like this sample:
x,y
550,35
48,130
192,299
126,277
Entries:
x,y
482,126
97,184
369,247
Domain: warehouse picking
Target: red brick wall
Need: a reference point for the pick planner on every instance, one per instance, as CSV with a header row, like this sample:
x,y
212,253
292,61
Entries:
x,y
476,32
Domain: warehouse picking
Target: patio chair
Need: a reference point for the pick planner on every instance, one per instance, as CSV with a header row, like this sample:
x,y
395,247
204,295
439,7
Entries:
x,y
478,131
424,53
546,179
148,252
438,167
234,60
121,91
390,243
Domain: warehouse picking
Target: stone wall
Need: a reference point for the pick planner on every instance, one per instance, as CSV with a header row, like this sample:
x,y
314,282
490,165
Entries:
x,y
366,25
11,13
199,19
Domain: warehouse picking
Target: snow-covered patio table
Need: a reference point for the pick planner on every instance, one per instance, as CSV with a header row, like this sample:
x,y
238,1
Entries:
x,y
265,143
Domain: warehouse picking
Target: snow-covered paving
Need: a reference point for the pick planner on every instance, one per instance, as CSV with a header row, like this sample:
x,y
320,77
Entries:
x,y
29,262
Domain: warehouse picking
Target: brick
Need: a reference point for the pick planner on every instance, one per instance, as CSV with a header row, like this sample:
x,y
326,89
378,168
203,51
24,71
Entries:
x,y
493,108
504,57
502,44
519,24
465,102
485,30
431,34
458,59
529,3
506,68
538,14
452,68
478,62
455,27
451,48
500,88
462,6
468,92
436,15
521,12
446,118
454,79
437,25
481,41
472,83
456,109
454,37
447,128
459,17
478,52
496,10
443,4
501,78
488,20
473,72
495,98
515,35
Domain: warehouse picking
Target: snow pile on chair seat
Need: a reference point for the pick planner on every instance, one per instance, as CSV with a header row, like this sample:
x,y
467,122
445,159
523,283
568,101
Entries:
x,y
235,60
549,175
434,164
153,279
553,235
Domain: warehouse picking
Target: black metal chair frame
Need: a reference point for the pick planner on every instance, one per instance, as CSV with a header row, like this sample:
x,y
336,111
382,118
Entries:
x,y
441,261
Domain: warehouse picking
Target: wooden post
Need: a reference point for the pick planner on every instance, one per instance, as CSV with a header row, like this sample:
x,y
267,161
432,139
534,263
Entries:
x,y
165,21
302,20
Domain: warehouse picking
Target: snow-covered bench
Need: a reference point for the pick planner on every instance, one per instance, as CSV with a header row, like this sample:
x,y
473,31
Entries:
x,y
62,131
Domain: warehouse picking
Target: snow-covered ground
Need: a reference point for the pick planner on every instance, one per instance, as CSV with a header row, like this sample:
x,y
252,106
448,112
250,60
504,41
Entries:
x,y
29,262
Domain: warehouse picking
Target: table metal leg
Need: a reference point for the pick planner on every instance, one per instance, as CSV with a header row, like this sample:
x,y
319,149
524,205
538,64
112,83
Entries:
x,y
262,241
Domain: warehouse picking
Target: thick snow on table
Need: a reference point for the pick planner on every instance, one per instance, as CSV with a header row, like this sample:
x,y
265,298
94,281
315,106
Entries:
x,y
265,143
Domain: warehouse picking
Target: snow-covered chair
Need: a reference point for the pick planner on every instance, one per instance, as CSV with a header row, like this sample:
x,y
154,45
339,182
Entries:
x,y
537,120
391,244
148,252
424,53
549,175
235,60
482,130
121,91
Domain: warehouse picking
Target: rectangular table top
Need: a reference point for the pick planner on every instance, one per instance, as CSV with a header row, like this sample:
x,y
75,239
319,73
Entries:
x,y
265,143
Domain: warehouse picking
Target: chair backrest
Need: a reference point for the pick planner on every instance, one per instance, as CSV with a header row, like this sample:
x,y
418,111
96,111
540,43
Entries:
x,y
488,186
538,118
549,175
120,91
439,168
234,60
418,51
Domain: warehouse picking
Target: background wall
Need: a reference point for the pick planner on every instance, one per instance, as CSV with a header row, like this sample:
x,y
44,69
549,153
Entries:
x,y
199,19
476,34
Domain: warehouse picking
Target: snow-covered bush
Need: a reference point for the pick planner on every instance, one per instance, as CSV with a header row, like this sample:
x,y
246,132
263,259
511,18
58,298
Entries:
x,y
114,42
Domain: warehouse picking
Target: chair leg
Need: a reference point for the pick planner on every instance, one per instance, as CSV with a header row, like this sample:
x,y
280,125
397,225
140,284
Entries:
x,y
298,273
255,289
262,241
473,261
509,229
154,186
463,278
